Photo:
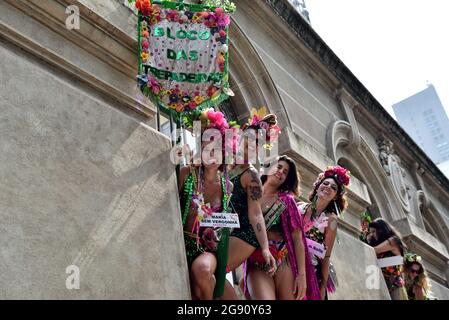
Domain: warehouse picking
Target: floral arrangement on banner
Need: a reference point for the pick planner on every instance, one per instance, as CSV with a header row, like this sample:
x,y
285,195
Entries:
x,y
365,220
183,55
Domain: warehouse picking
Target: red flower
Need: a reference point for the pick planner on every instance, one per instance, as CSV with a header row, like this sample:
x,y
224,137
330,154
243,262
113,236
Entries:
x,y
145,45
143,6
211,91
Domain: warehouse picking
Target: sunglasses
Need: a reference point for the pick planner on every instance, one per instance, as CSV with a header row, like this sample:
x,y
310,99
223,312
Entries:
x,y
331,185
415,271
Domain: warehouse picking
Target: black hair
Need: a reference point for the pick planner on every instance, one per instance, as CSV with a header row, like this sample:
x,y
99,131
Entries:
x,y
291,183
384,232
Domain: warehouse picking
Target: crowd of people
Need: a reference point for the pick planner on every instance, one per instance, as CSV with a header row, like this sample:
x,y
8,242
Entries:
x,y
283,245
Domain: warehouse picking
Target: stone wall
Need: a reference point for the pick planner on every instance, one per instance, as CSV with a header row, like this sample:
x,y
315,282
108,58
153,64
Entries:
x,y
85,181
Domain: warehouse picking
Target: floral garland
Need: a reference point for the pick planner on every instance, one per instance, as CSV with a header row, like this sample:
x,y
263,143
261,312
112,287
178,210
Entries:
x,y
315,228
342,176
365,220
412,257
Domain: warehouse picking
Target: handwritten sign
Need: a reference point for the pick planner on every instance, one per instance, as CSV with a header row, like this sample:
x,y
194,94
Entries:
x,y
184,56
221,220
316,248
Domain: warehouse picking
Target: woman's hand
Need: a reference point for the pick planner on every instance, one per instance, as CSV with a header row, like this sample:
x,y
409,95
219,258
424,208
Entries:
x,y
210,239
300,287
269,261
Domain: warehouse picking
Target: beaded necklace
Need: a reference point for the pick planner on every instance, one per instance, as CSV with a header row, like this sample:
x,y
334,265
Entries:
x,y
192,186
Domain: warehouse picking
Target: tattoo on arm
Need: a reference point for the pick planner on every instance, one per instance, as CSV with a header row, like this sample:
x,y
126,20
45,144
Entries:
x,y
254,176
258,227
255,188
255,192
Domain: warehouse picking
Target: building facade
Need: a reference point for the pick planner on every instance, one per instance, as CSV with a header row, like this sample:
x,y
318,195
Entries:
x,y
87,181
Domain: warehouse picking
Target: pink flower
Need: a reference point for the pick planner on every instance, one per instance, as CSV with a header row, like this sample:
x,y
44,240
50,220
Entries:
x,y
341,173
217,119
255,120
223,20
145,45
154,85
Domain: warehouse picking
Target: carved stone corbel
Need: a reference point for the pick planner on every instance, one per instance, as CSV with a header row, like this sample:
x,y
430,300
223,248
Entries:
x,y
385,151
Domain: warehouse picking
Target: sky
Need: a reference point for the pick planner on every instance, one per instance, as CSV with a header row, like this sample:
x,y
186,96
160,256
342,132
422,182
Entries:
x,y
394,47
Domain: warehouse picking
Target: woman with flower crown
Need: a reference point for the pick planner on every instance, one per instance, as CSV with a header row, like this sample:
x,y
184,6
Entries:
x,y
416,282
320,221
203,191
295,277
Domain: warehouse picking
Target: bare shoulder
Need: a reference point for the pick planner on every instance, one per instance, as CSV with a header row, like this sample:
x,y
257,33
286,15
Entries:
x,y
183,173
251,177
332,221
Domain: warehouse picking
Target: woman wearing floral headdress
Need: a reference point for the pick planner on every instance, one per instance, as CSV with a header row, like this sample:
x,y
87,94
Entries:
x,y
203,191
320,221
416,282
245,200
295,276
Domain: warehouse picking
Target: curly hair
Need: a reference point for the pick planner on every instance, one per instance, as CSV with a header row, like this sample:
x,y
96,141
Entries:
x,y
291,183
341,201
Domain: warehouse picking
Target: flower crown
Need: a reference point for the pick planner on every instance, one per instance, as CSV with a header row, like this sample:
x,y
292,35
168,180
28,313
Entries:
x,y
412,257
211,119
365,217
261,119
340,174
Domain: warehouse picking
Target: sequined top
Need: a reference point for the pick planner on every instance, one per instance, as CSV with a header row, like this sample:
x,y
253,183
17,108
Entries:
x,y
239,200
239,203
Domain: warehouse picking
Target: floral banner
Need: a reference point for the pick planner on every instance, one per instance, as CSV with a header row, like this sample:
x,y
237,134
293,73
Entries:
x,y
183,65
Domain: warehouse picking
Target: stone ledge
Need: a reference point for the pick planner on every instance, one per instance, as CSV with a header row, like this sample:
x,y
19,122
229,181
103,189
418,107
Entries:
x,y
68,55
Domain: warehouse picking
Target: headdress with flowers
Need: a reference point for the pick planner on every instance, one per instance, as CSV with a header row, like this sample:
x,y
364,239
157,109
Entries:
x,y
261,119
211,119
412,257
340,175
365,220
